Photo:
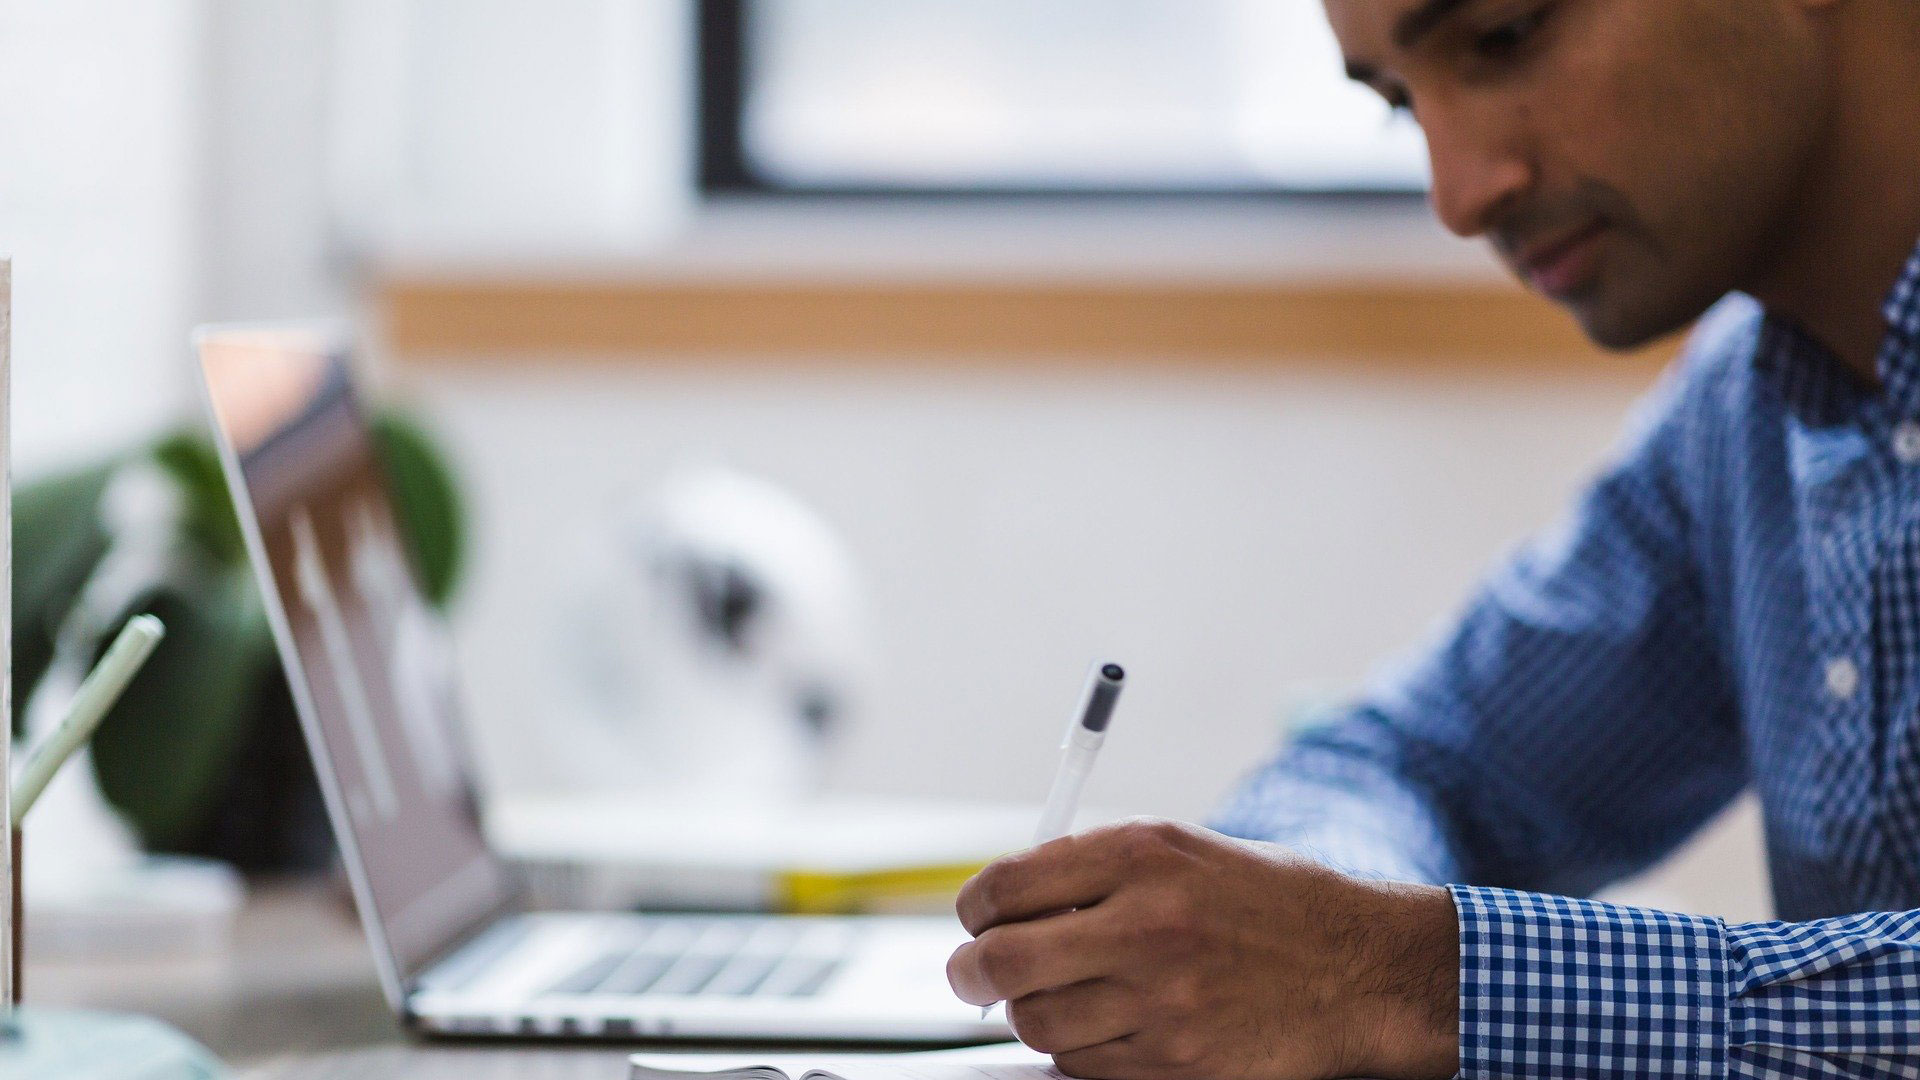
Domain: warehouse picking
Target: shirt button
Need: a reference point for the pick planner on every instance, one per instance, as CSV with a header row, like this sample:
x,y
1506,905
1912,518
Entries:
x,y
1843,678
1906,442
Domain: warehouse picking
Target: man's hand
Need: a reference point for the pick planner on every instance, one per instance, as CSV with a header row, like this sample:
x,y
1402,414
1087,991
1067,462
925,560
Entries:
x,y
1151,950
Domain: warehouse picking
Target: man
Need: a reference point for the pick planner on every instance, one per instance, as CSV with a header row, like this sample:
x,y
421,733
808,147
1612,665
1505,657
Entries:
x,y
1736,601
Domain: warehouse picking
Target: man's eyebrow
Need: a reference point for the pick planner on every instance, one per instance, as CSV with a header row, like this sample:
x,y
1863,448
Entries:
x,y
1418,23
1362,73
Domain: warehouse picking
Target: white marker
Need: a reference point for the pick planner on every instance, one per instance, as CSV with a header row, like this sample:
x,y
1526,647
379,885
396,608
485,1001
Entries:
x,y
1078,748
1085,734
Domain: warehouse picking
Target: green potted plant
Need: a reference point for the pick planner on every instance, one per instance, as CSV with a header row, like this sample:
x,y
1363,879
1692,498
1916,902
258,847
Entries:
x,y
204,754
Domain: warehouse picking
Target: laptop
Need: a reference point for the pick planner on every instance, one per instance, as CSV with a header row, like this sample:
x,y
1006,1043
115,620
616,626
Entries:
x,y
458,952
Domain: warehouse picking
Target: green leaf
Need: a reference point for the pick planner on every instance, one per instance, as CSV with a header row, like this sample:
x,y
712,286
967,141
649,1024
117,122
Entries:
x,y
57,540
426,502
162,753
207,511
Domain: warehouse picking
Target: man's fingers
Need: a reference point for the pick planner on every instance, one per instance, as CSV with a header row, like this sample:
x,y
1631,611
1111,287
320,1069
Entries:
x,y
1017,959
1115,1059
1075,1017
1071,872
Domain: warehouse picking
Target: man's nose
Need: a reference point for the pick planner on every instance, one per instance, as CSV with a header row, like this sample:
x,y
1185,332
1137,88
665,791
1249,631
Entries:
x,y
1479,167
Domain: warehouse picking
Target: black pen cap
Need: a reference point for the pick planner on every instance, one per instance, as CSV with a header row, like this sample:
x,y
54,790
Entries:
x,y
1101,697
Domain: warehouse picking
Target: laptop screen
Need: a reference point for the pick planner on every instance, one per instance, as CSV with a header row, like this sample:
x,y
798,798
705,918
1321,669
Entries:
x,y
368,659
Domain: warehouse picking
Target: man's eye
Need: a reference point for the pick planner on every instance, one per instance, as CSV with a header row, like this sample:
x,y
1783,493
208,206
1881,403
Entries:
x,y
1511,36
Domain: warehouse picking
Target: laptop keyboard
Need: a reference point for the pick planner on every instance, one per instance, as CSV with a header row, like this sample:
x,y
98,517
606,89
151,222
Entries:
x,y
718,957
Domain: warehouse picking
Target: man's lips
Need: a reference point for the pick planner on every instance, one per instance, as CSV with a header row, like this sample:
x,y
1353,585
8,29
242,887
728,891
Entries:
x,y
1561,266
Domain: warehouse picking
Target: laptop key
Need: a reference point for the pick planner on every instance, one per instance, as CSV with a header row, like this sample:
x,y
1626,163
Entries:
x,y
799,976
743,975
586,978
683,957
690,975
809,986
638,974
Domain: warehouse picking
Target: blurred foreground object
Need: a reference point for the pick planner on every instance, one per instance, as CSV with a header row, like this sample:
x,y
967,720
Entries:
x,y
100,891
205,755
67,1045
718,640
90,703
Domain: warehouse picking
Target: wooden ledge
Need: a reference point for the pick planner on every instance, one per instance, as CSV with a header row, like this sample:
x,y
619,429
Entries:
x,y
1450,327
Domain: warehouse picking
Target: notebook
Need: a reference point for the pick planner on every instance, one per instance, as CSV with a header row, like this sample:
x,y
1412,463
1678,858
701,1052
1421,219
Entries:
x,y
995,1061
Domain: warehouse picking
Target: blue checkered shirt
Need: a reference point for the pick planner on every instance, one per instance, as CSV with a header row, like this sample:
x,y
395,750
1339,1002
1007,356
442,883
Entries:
x,y
1734,602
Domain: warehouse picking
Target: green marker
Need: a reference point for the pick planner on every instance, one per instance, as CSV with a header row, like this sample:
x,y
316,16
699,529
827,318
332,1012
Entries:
x,y
91,702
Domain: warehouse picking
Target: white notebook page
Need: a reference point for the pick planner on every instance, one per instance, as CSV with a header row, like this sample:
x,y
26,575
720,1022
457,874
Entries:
x,y
995,1061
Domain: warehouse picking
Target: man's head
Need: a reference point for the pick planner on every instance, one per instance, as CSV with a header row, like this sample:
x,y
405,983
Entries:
x,y
1632,159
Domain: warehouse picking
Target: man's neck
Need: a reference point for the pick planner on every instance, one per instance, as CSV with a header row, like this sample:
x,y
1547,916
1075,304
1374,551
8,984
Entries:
x,y
1859,218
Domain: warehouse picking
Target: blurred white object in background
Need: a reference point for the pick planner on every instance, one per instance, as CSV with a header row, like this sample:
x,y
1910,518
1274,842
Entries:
x,y
836,853
717,641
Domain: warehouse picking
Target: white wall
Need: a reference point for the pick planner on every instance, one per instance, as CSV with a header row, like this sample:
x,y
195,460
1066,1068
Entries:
x,y
1243,542
172,161
347,132
273,249
99,110
503,126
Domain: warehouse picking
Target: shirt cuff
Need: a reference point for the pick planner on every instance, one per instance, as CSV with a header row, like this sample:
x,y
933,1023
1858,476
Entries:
x,y
1557,987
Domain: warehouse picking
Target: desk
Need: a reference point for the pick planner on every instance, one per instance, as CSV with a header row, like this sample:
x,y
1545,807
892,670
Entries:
x,y
450,1063
296,998
296,977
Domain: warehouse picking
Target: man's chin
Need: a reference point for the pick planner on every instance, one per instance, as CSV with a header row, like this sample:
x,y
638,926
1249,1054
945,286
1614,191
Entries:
x,y
1620,328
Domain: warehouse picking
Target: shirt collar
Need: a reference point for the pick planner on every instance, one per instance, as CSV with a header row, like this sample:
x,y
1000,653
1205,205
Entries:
x,y
1900,353
1812,381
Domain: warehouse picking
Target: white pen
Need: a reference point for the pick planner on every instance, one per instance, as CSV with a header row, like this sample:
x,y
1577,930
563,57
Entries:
x,y
1085,734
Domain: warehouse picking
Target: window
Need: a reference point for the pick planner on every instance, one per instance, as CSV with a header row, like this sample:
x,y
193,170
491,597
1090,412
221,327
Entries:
x,y
1040,96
